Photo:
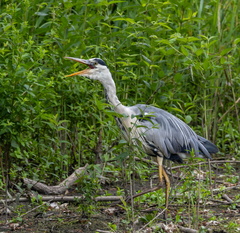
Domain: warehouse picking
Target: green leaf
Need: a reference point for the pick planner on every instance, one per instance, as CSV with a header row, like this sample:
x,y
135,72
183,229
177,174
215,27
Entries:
x,y
225,51
184,51
199,52
129,20
178,77
236,41
188,119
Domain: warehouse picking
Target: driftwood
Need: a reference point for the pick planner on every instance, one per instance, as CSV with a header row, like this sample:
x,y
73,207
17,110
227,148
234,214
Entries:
x,y
57,189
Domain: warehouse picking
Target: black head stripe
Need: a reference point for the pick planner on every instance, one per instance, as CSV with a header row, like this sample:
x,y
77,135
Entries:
x,y
100,61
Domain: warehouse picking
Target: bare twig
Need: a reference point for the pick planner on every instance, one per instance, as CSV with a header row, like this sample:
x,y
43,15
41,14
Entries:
x,y
102,231
159,214
225,202
226,188
234,105
187,165
145,192
226,197
211,162
109,198
32,210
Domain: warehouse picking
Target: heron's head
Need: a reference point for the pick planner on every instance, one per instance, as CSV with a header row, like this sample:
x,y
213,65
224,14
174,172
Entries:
x,y
97,68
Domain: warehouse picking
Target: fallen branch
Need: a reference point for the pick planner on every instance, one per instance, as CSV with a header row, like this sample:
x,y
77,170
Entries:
x,y
227,198
228,201
187,230
57,189
64,198
46,198
226,188
109,198
102,231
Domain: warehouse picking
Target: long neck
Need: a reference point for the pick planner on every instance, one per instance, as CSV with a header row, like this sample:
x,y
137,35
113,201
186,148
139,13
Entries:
x,y
110,92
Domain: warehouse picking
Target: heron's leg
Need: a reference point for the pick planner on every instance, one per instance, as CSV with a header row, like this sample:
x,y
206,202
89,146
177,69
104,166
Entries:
x,y
162,174
160,168
168,185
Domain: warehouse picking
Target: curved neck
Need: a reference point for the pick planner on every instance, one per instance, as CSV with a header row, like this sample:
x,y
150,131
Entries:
x,y
110,93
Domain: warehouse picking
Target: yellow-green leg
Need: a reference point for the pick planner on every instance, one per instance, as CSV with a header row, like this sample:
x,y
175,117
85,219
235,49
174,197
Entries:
x,y
162,174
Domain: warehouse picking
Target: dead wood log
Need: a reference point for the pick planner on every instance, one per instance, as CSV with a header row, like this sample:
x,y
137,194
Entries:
x,y
56,189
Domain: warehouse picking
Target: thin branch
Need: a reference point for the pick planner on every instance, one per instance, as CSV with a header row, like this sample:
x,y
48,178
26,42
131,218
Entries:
x,y
226,188
234,105
109,198
211,162
159,214
102,231
145,192
187,165
225,202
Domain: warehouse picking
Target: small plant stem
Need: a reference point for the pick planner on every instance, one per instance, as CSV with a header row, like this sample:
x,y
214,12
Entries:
x,y
198,199
34,209
210,177
131,196
160,213
205,114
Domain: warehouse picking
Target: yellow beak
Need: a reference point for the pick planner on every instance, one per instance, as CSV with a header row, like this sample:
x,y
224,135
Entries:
x,y
86,62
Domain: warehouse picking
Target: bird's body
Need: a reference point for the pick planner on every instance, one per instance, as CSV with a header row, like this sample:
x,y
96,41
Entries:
x,y
160,133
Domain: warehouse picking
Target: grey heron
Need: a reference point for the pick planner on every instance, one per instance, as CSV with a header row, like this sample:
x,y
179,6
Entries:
x,y
160,133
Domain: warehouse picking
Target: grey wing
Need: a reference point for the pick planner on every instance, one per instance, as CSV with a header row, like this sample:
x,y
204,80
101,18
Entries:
x,y
164,134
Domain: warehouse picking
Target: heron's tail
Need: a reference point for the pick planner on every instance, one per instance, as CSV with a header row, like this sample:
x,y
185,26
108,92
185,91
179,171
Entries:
x,y
211,148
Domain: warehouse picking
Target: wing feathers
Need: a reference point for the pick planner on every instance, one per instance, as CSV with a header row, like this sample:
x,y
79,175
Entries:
x,y
169,134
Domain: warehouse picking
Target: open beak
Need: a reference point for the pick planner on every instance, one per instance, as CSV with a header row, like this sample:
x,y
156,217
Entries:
x,y
86,62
